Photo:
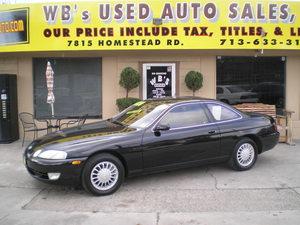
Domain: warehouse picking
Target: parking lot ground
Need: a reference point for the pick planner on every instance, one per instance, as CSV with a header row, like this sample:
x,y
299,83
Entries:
x,y
214,194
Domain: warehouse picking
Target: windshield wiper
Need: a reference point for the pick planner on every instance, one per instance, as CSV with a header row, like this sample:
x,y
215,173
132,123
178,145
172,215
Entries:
x,y
116,122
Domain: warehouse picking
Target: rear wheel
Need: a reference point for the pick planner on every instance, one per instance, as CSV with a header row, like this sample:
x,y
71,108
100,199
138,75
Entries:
x,y
103,174
244,155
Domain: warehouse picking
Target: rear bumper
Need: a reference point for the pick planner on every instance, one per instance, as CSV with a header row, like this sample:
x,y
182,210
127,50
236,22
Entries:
x,y
69,173
270,141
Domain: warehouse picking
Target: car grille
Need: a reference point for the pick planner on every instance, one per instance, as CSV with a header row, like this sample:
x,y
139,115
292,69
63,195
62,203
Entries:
x,y
37,173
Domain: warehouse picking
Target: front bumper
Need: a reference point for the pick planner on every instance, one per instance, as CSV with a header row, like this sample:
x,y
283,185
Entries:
x,y
69,173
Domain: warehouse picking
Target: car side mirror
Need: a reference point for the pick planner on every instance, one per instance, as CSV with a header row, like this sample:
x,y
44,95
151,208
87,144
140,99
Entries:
x,y
162,127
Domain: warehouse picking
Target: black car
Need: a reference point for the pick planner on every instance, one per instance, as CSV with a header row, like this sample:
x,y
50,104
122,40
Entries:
x,y
151,136
271,93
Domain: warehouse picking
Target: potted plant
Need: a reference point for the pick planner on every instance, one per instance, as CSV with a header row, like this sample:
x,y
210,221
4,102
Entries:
x,y
129,80
194,81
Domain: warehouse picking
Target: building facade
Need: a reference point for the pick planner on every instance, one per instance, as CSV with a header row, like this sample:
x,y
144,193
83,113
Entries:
x,y
246,52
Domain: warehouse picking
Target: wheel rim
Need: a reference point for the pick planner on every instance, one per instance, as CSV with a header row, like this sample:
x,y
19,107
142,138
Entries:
x,y
245,154
104,175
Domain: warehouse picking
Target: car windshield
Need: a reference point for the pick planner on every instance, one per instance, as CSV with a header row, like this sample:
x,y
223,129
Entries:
x,y
141,114
235,89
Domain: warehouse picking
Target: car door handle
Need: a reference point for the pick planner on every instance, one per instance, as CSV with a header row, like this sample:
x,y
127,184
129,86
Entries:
x,y
212,132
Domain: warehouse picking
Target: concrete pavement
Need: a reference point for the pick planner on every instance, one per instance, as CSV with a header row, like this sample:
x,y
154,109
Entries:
x,y
267,194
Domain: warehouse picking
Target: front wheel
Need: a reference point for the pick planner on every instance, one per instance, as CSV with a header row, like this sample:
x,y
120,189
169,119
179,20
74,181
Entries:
x,y
244,155
103,174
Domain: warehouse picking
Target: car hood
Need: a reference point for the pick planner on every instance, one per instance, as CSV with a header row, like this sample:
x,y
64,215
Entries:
x,y
81,135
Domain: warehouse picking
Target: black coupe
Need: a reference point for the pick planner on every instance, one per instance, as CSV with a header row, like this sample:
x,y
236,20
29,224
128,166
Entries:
x,y
151,136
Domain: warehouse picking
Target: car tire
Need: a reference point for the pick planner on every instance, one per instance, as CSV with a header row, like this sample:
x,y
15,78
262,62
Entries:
x,y
103,174
244,155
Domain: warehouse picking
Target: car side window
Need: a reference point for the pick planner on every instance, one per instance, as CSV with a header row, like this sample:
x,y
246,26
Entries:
x,y
220,90
221,113
185,115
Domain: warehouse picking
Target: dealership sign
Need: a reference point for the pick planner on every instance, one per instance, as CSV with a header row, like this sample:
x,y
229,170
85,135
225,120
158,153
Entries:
x,y
158,80
130,25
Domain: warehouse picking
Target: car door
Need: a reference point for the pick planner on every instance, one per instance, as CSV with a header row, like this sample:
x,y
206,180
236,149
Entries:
x,y
186,135
230,124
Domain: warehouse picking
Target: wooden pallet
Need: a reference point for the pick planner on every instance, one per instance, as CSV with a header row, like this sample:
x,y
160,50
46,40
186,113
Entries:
x,y
282,128
258,107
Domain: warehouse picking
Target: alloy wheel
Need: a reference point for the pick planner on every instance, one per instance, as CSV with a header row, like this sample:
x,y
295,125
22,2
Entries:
x,y
104,175
245,154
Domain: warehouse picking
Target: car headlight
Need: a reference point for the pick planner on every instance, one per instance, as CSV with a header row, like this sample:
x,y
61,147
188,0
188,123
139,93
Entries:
x,y
50,154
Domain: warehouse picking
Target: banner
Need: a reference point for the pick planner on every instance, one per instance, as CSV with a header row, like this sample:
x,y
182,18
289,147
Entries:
x,y
150,25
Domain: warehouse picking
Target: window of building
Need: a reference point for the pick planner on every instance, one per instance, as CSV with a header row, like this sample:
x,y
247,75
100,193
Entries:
x,y
221,113
184,116
76,88
220,90
252,79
